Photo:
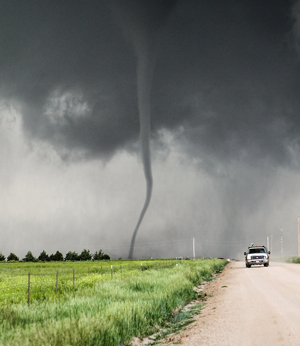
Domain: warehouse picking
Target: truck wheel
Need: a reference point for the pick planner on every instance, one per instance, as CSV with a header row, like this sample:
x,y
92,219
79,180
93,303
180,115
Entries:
x,y
248,265
266,264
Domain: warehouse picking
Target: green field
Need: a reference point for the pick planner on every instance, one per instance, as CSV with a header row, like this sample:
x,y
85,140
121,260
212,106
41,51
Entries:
x,y
100,309
70,276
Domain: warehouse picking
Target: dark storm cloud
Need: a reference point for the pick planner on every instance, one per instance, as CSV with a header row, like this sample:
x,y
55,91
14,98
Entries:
x,y
235,79
226,80
71,47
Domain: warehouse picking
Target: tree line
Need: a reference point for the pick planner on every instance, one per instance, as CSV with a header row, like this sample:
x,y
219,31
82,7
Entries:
x,y
85,255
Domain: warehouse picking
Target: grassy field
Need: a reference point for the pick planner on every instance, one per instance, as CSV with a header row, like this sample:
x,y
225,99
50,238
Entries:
x,y
101,310
57,278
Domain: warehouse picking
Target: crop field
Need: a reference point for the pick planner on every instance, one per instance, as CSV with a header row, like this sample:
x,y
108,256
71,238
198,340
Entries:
x,y
100,307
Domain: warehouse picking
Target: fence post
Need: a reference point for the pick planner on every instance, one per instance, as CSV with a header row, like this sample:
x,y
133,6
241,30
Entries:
x,y
41,281
56,283
111,271
28,288
141,266
73,277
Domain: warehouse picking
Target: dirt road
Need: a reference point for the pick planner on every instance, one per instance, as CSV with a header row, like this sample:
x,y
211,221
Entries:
x,y
251,307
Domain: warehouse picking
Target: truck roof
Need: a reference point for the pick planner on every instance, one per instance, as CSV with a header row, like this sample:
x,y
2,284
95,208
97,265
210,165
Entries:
x,y
251,246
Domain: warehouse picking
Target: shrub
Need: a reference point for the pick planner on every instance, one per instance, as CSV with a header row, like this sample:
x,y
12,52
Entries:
x,y
12,257
2,257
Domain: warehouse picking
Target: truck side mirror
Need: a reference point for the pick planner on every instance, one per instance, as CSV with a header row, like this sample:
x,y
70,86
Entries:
x,y
245,253
269,252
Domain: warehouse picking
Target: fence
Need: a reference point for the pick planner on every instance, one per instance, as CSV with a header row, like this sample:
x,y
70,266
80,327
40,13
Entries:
x,y
41,286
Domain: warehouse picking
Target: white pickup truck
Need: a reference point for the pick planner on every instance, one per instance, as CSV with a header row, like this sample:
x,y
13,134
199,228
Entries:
x,y
257,255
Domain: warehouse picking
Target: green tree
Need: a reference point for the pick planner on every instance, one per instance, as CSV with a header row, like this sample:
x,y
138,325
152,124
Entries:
x,y
72,256
12,257
43,256
57,257
29,257
85,255
2,257
98,255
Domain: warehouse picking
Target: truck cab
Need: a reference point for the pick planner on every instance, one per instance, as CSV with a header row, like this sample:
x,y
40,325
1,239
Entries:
x,y
257,255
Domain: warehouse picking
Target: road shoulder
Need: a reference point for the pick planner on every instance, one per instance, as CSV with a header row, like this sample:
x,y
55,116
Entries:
x,y
214,292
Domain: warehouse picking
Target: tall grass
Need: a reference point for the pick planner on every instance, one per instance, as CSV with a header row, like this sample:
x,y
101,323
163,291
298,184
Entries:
x,y
292,259
108,312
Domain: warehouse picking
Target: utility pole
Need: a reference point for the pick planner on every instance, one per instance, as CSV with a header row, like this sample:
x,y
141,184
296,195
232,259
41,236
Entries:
x,y
194,248
281,242
298,238
268,245
271,243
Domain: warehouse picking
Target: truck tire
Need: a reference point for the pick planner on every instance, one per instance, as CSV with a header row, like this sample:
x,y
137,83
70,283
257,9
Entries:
x,y
266,264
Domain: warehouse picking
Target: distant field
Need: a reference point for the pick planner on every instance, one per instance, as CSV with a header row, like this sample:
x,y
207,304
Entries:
x,y
57,278
100,310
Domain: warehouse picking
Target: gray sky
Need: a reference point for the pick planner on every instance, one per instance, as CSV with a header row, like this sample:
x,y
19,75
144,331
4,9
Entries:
x,y
224,116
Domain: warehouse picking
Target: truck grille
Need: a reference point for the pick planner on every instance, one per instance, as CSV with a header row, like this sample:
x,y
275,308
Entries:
x,y
257,257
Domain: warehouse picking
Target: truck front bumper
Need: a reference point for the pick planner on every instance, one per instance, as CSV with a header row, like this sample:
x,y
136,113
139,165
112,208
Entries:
x,y
257,261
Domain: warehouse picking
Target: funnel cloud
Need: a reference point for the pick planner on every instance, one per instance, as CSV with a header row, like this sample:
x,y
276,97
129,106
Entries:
x,y
141,22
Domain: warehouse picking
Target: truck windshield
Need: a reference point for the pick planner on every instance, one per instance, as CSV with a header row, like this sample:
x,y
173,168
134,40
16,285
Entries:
x,y
257,250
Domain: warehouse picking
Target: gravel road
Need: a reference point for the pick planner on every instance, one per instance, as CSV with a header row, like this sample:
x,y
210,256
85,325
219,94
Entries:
x,y
248,306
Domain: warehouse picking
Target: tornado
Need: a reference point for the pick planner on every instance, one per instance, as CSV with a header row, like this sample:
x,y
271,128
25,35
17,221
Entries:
x,y
141,22
144,81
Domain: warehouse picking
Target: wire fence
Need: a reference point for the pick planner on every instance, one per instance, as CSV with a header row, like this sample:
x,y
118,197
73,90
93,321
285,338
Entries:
x,y
17,288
